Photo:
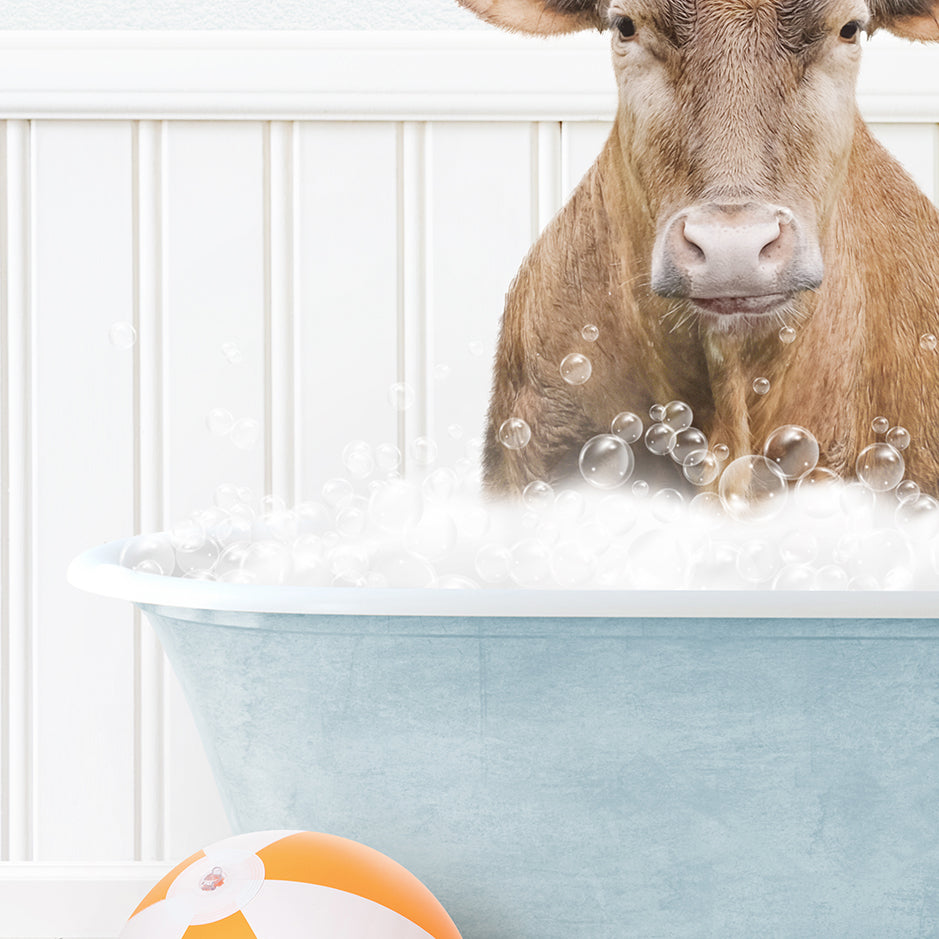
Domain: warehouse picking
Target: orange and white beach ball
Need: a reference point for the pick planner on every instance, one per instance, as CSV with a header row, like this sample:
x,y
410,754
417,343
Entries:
x,y
288,885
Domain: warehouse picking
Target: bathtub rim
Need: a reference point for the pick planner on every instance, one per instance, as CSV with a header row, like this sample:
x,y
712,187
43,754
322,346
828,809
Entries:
x,y
98,571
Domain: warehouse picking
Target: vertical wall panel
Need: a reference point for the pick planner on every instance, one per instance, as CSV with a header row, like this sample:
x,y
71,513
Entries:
x,y
581,143
481,229
213,295
82,443
916,146
348,300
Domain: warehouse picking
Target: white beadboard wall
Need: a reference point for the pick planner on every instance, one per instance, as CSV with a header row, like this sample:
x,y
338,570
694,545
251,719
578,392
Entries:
x,y
348,209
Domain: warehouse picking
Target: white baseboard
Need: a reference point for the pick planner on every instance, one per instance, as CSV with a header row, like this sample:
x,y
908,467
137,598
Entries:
x,y
72,901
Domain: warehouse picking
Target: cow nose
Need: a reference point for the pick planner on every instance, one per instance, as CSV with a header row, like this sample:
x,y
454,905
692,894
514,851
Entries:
x,y
715,251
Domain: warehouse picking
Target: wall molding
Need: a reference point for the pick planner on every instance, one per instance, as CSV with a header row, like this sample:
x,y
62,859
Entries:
x,y
366,76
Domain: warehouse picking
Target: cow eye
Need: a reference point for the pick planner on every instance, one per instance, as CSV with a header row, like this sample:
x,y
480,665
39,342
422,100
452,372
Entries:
x,y
625,26
849,32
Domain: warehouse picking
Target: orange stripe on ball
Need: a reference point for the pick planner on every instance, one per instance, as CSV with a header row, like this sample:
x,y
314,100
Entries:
x,y
159,891
314,858
232,927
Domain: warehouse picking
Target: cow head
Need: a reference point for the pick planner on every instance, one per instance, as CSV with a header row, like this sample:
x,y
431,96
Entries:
x,y
736,119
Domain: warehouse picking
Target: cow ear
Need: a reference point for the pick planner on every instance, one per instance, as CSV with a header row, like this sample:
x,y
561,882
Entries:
x,y
539,17
911,19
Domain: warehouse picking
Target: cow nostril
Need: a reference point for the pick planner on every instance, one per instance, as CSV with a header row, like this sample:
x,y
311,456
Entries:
x,y
695,251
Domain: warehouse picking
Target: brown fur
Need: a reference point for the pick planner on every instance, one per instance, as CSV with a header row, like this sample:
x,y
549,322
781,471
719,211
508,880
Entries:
x,y
857,352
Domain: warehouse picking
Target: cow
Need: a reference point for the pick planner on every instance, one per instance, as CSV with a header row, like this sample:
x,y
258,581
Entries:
x,y
739,201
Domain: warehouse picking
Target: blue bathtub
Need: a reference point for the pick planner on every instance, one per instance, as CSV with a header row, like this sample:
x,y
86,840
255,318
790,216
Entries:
x,y
582,765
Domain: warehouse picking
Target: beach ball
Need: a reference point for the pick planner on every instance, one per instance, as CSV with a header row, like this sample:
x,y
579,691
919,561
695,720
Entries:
x,y
288,885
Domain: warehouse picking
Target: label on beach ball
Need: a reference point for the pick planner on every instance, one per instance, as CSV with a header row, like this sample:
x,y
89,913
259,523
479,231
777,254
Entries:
x,y
288,885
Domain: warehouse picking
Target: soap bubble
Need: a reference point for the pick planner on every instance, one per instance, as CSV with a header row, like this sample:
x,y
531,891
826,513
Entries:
x,y
187,534
707,507
358,459
454,431
721,452
715,568
401,569
232,352
606,461
122,335
432,536
350,562
831,577
575,368
928,342
477,348
238,576
793,450
530,564
590,333
907,490
678,415
657,559
401,396
441,372
819,492
918,517
880,425
898,438
538,494
795,577
667,505
787,335
149,554
226,495
268,561
617,513
440,485
640,488
701,468
493,562
569,506
336,491
220,421
627,426
758,561
571,565
352,518
395,504
688,442
857,501
388,457
456,582
659,439
877,553
752,490
245,433
514,433
657,412
761,385
880,467
313,518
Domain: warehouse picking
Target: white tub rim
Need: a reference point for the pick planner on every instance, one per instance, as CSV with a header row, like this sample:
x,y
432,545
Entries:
x,y
98,571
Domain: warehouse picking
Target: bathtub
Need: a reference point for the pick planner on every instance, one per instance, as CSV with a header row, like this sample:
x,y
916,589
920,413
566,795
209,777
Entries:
x,y
582,765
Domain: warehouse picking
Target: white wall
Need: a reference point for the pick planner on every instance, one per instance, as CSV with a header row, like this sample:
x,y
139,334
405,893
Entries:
x,y
349,209
234,14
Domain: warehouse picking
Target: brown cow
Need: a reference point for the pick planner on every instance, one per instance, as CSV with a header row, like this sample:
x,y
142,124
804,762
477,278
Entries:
x,y
739,191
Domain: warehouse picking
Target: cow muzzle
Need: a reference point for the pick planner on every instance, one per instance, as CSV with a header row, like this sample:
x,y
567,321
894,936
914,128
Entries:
x,y
735,259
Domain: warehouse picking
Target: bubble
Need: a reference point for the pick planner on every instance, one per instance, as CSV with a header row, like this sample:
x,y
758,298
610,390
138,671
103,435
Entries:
x,y
440,485
761,385
388,457
441,372
432,536
640,488
787,335
454,431
798,546
590,332
477,348
898,438
659,439
819,491
423,451
880,425
395,504
795,577
492,563
857,501
309,562
716,568
226,495
569,506
456,582
232,352
918,517
758,561
514,433
575,368
928,342
831,577
358,459
657,412
688,442
352,518
245,433
336,491
792,449
400,569
751,489
122,335
238,576
187,535
721,451
313,518
350,562
880,467
881,554
907,490
538,494
627,426
668,505
678,415
149,554
617,513
268,562
706,506
530,564
701,468
571,565
220,421
657,559
401,396
606,461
